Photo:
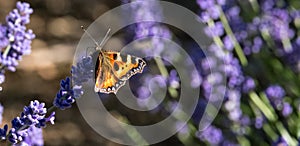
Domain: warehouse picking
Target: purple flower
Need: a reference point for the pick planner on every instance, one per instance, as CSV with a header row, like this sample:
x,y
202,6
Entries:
x,y
3,39
83,71
174,79
211,134
259,121
205,4
33,115
1,113
15,39
34,137
216,30
286,109
19,38
3,132
65,97
228,43
248,85
275,92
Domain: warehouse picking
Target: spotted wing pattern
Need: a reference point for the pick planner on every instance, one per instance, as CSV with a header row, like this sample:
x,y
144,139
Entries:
x,y
113,69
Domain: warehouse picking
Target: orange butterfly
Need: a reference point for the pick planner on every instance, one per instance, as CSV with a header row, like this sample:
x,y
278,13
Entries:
x,y
113,69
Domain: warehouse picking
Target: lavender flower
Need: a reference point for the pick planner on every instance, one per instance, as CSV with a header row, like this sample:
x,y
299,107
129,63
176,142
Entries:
x,y
15,39
1,113
231,66
286,109
211,134
174,79
275,93
33,115
248,85
65,97
3,132
259,121
3,39
19,37
34,137
83,71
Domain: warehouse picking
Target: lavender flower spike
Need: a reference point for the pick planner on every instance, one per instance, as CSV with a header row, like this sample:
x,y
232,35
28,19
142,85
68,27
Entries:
x,y
65,97
33,115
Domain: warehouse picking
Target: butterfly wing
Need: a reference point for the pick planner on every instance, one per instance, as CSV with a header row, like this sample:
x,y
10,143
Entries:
x,y
106,81
124,66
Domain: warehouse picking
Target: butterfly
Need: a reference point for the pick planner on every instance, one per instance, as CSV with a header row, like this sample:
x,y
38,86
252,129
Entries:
x,y
113,69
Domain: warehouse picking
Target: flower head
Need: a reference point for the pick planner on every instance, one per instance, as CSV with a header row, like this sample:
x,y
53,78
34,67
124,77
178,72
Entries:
x,y
32,115
211,134
65,96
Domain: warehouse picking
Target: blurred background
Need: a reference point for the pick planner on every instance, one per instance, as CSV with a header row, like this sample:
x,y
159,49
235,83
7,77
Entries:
x,y
56,24
271,77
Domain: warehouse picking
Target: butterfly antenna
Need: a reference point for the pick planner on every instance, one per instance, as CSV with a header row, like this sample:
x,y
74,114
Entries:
x,y
105,39
90,36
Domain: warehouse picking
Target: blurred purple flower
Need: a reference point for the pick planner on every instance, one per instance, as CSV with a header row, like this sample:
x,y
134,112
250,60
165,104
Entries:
x,y
275,92
259,121
174,79
34,137
286,109
211,134
3,38
248,85
83,71
1,113
216,30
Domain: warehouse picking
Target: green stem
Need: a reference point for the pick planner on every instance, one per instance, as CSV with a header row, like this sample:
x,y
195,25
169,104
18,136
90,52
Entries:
x,y
173,92
263,107
6,51
287,45
284,133
270,132
237,47
243,141
216,39
266,127
132,132
255,5
51,109
266,36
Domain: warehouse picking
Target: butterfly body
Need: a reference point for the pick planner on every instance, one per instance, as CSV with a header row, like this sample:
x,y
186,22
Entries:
x,y
113,69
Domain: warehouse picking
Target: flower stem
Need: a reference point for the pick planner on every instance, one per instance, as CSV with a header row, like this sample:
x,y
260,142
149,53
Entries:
x,y
173,92
131,131
270,132
51,109
255,5
284,133
237,47
216,39
263,107
6,51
